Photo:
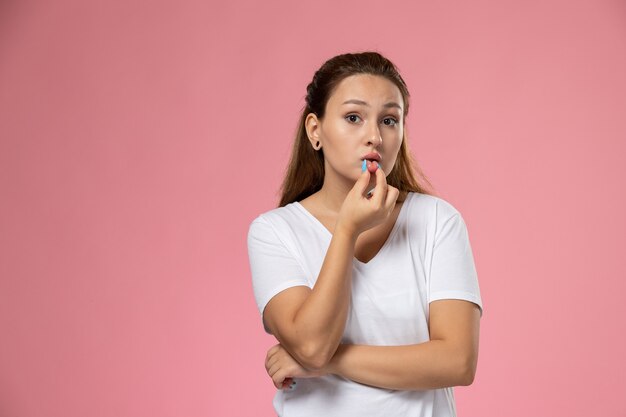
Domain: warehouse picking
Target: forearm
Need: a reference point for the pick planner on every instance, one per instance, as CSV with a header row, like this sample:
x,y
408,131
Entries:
x,y
321,319
428,365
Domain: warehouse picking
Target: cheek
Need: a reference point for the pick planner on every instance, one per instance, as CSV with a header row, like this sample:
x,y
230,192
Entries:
x,y
341,134
393,141
340,153
340,139
393,133
394,152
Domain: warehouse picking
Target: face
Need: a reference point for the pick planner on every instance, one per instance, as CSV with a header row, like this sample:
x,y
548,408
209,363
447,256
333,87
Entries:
x,y
364,115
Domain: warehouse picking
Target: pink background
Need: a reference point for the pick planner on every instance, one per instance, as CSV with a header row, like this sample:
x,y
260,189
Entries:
x,y
140,138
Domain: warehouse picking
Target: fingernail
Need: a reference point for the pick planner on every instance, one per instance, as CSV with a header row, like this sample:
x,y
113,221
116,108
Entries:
x,y
364,166
378,165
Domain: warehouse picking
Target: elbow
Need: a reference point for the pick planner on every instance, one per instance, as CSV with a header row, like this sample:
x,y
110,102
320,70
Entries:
x,y
315,358
468,372
467,378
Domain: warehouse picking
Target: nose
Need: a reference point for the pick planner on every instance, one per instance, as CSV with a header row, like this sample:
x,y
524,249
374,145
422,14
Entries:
x,y
375,138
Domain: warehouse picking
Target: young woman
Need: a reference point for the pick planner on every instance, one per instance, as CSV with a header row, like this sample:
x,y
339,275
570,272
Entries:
x,y
366,280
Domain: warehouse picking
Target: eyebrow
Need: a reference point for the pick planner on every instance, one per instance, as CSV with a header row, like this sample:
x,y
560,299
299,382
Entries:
x,y
363,103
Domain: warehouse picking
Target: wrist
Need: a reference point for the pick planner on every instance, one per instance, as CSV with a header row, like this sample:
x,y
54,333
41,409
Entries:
x,y
344,230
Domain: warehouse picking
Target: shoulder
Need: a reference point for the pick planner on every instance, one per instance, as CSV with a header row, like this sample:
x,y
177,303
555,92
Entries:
x,y
432,215
433,208
277,221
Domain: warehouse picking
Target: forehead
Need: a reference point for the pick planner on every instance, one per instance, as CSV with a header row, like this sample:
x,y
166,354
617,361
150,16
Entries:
x,y
373,89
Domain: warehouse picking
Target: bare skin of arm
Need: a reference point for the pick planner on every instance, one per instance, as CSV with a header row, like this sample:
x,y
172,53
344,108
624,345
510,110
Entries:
x,y
448,359
309,323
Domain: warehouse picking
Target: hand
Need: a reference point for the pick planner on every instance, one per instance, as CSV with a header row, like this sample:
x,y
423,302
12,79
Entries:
x,y
360,213
282,367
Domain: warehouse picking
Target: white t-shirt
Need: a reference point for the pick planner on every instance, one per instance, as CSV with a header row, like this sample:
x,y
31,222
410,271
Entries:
x,y
426,257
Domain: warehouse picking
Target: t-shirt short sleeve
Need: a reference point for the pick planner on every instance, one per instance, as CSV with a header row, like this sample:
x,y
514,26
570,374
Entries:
x,y
274,268
453,273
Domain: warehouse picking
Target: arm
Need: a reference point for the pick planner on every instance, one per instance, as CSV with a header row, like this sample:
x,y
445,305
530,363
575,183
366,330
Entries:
x,y
448,359
309,323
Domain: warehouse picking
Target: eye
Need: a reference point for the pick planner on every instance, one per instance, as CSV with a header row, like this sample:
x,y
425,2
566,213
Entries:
x,y
353,118
390,121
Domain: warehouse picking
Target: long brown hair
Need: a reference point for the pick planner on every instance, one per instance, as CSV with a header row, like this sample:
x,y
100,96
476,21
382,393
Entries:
x,y
305,172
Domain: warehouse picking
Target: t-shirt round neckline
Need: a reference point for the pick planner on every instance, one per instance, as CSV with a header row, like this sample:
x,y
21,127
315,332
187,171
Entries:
x,y
383,248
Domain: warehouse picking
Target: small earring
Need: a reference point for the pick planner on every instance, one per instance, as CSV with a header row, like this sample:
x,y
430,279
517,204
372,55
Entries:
x,y
317,146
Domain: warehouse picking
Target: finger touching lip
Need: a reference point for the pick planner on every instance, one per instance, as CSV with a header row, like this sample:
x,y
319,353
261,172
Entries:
x,y
372,166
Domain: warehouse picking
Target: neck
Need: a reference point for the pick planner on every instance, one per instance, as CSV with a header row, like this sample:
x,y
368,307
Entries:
x,y
333,192
332,197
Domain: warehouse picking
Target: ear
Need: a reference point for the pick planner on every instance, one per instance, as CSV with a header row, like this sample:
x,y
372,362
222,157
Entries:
x,y
312,125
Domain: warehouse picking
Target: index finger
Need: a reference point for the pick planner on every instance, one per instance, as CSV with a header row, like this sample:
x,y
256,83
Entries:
x,y
380,190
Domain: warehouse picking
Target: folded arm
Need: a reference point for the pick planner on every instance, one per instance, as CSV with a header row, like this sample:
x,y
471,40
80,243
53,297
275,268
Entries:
x,y
448,359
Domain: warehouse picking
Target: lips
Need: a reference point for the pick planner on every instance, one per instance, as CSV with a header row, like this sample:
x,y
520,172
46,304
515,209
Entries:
x,y
368,162
372,156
